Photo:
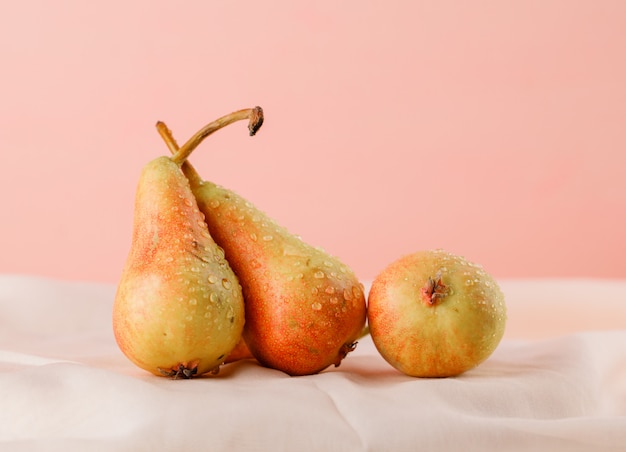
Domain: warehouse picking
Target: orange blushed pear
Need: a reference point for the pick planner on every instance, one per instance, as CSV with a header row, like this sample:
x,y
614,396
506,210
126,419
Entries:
x,y
435,314
178,310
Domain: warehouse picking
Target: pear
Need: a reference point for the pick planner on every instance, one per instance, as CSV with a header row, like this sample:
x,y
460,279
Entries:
x,y
435,314
304,308
178,310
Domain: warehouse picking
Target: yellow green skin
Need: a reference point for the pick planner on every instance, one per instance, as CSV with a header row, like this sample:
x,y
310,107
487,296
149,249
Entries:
x,y
441,337
178,310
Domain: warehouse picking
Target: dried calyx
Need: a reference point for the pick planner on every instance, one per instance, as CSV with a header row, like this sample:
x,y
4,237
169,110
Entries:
x,y
434,290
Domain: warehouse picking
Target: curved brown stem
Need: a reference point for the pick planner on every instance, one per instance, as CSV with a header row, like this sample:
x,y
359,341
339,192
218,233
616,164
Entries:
x,y
255,115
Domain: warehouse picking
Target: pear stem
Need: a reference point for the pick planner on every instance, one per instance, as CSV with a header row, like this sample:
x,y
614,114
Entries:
x,y
192,175
167,136
255,115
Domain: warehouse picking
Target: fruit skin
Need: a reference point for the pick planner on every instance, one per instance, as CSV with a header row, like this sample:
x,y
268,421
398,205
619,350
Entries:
x,y
178,309
304,308
440,336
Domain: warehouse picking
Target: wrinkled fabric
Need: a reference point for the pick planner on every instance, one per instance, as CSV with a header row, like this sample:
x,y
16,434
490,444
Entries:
x,y
557,382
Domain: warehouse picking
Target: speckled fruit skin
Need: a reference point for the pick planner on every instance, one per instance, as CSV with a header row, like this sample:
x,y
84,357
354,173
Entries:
x,y
178,304
459,330
304,309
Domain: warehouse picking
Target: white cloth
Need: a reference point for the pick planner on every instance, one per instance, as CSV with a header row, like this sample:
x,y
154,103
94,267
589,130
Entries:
x,y
557,382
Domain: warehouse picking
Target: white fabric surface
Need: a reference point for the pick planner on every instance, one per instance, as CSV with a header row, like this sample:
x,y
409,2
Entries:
x,y
557,382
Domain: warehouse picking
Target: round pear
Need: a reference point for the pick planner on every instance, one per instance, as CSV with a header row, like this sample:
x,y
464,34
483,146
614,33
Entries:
x,y
435,314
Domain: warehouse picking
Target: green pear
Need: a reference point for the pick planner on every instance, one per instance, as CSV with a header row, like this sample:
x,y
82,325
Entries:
x,y
304,308
178,309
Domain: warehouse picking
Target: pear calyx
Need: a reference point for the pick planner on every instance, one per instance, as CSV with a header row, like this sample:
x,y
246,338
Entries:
x,y
344,350
434,290
183,370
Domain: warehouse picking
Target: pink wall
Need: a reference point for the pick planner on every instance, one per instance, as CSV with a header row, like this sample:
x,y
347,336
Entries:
x,y
497,132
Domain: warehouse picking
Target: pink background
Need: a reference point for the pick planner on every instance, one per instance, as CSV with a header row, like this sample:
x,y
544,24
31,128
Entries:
x,y
496,130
